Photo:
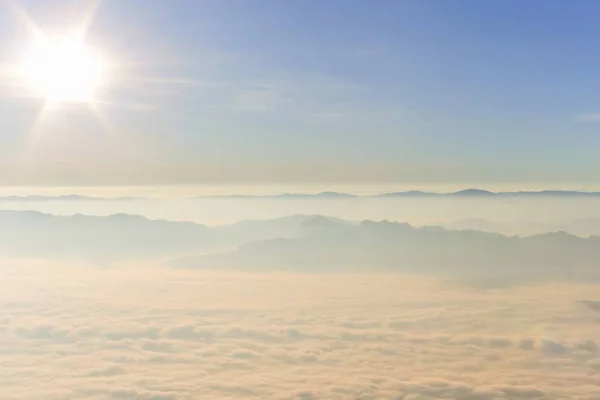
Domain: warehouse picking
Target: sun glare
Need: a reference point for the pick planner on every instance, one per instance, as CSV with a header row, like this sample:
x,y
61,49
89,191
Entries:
x,y
63,70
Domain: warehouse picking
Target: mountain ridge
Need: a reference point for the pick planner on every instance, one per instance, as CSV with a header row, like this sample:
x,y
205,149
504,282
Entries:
x,y
300,243
326,195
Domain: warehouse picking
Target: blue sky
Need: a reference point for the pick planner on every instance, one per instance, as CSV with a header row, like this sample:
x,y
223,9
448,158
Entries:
x,y
336,92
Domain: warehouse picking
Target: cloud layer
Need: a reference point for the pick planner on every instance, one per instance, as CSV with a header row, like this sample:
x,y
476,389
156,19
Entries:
x,y
73,333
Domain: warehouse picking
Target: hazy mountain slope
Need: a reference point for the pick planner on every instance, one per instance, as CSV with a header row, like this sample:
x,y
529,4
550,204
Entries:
x,y
124,236
284,227
121,236
386,245
581,227
299,242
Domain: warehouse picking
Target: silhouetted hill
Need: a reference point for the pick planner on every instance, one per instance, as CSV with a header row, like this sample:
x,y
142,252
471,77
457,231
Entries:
x,y
124,236
411,193
417,193
66,197
581,227
115,237
284,227
552,193
388,245
487,193
301,243
322,195
473,192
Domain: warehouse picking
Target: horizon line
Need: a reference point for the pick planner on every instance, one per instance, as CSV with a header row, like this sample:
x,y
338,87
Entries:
x,y
467,192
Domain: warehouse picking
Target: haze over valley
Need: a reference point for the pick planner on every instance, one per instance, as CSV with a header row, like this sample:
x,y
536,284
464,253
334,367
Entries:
x,y
510,214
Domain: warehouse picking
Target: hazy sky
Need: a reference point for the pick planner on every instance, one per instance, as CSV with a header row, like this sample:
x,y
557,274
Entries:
x,y
315,91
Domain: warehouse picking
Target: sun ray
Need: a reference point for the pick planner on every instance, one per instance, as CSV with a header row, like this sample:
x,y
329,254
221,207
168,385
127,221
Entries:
x,y
64,68
22,14
36,130
100,114
90,9
57,70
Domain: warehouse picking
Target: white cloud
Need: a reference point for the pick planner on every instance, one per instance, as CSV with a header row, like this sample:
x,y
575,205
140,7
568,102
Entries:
x,y
167,334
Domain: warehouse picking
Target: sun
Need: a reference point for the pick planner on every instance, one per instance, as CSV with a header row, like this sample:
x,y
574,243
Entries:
x,y
63,70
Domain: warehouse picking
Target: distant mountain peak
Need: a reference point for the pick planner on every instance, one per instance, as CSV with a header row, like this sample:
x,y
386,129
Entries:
x,y
335,194
473,192
319,221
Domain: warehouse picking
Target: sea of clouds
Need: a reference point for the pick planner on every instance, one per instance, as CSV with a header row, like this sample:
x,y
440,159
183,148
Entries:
x,y
72,332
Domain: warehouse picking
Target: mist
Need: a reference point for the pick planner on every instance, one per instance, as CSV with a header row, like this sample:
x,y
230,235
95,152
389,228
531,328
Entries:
x,y
511,216
299,297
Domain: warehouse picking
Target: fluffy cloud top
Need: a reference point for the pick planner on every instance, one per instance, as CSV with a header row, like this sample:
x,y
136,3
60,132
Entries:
x,y
146,334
